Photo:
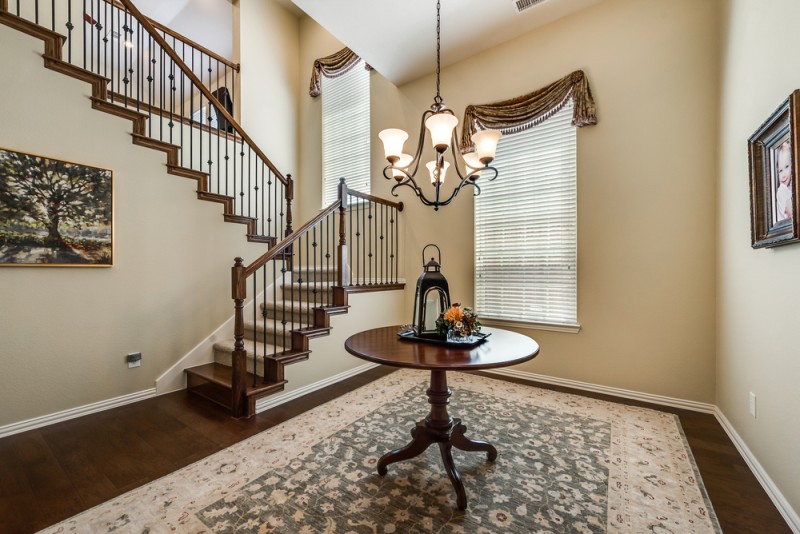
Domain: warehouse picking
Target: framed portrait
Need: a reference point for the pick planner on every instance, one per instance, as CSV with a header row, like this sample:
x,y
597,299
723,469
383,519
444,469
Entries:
x,y
54,212
773,154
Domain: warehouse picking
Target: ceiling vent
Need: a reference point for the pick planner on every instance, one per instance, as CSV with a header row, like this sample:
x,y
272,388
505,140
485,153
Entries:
x,y
522,5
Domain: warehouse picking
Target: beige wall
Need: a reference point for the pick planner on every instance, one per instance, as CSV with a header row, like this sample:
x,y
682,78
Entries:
x,y
646,197
758,339
268,50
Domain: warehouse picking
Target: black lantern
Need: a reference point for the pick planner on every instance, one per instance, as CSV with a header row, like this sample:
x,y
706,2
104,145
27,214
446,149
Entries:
x,y
432,297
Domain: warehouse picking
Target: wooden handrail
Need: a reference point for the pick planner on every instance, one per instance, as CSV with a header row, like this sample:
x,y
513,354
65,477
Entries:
x,y
377,200
147,25
294,236
173,33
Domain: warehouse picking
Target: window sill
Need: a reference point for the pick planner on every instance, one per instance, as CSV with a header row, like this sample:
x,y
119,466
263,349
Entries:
x,y
551,327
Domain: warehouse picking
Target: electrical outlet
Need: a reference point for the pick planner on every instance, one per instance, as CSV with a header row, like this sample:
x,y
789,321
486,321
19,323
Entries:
x,y
752,404
134,359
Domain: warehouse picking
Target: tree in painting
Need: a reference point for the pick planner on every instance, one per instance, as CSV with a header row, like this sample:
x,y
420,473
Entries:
x,y
53,211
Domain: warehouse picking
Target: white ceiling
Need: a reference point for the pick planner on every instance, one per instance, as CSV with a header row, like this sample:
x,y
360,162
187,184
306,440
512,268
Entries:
x,y
207,22
398,38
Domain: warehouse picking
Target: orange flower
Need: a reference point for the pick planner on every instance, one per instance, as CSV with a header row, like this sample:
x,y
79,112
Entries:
x,y
454,314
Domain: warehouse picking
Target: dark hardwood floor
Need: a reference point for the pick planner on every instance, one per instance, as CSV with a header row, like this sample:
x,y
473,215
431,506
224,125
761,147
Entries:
x,y
52,473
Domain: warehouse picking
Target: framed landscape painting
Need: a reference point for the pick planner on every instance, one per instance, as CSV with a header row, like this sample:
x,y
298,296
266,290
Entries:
x,y
774,151
54,213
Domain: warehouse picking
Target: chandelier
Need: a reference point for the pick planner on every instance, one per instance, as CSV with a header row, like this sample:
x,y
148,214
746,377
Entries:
x,y
441,123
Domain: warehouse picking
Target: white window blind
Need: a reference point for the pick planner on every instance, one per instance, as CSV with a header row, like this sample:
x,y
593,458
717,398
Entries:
x,y
526,228
345,132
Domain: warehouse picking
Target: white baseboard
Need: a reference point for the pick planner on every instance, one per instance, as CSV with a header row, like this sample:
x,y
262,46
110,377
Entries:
x,y
780,502
694,406
275,400
72,413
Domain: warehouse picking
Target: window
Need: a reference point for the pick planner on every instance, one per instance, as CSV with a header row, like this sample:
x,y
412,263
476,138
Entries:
x,y
526,228
345,132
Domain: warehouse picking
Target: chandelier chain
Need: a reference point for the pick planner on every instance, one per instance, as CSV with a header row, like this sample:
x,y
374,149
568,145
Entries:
x,y
438,99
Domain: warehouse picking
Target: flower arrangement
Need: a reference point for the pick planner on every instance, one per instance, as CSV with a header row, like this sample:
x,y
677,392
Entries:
x,y
458,321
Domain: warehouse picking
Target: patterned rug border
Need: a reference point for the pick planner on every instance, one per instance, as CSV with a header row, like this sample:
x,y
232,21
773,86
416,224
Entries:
x,y
323,421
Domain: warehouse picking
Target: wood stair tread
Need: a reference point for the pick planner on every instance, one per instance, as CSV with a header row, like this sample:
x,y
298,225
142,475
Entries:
x,y
34,30
117,109
268,239
252,346
222,375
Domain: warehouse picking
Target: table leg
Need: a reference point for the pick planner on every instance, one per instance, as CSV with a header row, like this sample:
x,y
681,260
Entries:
x,y
420,440
460,441
452,472
439,427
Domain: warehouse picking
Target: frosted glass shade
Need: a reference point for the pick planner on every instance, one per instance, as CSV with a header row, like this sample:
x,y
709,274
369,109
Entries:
x,y
403,162
441,126
393,140
431,165
485,142
474,164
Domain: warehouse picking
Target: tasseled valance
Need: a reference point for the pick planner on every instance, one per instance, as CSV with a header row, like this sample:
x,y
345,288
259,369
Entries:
x,y
332,66
518,114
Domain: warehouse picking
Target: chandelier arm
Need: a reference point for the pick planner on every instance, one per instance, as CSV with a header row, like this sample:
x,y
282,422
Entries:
x,y
455,192
493,170
412,184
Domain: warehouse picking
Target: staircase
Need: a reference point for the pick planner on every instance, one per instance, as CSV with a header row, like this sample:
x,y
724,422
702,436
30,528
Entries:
x,y
351,246
143,79
305,276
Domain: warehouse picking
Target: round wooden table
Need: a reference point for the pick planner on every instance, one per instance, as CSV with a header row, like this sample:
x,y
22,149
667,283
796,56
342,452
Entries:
x,y
501,349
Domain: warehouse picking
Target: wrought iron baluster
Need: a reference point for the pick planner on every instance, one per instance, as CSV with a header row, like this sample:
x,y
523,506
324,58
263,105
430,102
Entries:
x,y
219,136
115,75
70,27
162,94
274,301
83,26
393,244
255,331
309,258
263,317
283,299
150,87
140,66
241,180
249,185
317,261
208,115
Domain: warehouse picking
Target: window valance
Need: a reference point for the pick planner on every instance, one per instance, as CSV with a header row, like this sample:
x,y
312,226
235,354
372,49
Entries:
x,y
518,114
332,66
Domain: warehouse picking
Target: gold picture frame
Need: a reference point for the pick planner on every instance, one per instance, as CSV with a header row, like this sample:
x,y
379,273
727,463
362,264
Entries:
x,y
54,212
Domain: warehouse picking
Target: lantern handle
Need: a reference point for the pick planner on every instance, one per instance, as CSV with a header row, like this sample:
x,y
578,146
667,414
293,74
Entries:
x,y
437,249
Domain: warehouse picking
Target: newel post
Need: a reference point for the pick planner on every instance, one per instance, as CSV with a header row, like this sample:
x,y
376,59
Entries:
x,y
289,197
342,274
342,268
239,355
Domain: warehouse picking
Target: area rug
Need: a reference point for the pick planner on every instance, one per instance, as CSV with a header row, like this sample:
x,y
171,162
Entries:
x,y
566,463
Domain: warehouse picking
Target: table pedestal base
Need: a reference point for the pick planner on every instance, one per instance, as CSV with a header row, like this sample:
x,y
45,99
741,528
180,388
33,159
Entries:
x,y
439,427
